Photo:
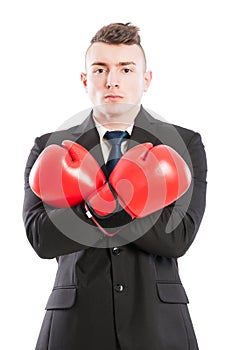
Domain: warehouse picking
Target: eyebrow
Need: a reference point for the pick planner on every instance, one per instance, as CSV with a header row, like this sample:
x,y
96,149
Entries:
x,y
103,64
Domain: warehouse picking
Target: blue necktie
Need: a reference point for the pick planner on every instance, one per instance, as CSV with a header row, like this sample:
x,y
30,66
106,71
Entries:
x,y
115,138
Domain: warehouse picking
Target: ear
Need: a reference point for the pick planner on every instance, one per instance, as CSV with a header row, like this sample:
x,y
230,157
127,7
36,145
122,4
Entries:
x,y
83,77
147,80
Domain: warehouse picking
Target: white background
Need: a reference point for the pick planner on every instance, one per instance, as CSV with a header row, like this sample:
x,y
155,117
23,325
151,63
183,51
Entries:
x,y
189,50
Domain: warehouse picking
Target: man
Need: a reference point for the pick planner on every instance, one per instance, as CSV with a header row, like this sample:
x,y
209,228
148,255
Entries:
x,y
117,284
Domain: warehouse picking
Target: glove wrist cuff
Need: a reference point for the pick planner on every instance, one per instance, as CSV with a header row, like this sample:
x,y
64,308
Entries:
x,y
90,216
96,204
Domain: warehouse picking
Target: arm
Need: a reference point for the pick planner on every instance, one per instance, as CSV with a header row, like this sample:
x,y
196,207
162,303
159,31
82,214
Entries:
x,y
53,232
171,231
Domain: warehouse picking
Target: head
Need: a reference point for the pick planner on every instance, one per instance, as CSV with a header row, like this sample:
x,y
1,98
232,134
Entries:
x,y
116,68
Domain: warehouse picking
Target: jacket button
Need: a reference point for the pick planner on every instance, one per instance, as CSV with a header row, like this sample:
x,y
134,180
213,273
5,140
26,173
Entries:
x,y
119,288
116,251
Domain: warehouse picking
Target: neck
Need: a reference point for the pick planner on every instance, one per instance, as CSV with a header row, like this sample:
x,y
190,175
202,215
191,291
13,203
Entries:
x,y
118,117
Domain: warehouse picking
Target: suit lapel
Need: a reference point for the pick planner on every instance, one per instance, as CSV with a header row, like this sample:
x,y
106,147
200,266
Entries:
x,y
87,135
145,129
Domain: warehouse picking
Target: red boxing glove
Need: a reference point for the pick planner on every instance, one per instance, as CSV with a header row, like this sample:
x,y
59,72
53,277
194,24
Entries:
x,y
144,180
64,176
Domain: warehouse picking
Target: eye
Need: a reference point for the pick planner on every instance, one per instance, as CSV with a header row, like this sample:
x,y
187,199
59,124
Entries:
x,y
99,71
126,70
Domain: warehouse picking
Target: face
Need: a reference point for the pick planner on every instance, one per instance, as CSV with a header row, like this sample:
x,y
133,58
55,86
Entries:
x,y
115,75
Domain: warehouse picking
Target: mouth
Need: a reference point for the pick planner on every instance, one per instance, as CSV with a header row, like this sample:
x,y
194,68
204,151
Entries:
x,y
113,97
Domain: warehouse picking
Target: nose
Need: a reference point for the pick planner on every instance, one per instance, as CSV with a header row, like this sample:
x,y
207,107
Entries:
x,y
111,85
112,80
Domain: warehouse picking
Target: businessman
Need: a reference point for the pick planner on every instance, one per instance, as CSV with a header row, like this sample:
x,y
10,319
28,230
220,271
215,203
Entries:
x,y
117,237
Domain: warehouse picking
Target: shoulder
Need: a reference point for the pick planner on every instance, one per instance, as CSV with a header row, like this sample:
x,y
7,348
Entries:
x,y
55,137
170,132
187,142
79,125
164,126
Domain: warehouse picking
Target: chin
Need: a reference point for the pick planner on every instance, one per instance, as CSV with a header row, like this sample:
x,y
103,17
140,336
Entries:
x,y
116,109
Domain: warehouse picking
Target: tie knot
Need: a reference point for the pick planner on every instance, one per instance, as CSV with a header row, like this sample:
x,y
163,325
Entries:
x,y
116,137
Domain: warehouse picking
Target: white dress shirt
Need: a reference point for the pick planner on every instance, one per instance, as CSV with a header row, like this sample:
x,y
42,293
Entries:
x,y
105,145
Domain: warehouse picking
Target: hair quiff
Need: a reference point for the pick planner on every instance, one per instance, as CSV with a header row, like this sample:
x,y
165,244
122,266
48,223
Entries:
x,y
118,33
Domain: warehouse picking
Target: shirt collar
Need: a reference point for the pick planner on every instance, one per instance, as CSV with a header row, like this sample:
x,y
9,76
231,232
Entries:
x,y
102,130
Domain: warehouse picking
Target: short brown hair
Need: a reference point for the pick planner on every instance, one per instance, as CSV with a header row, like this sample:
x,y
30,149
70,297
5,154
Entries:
x,y
119,33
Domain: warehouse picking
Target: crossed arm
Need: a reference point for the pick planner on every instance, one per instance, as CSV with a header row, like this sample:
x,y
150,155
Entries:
x,y
168,232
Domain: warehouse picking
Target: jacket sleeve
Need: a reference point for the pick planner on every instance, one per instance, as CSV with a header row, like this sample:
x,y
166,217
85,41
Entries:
x,y
53,232
171,231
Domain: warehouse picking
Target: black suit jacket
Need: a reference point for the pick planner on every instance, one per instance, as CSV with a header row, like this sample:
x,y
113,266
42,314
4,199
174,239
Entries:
x,y
128,296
